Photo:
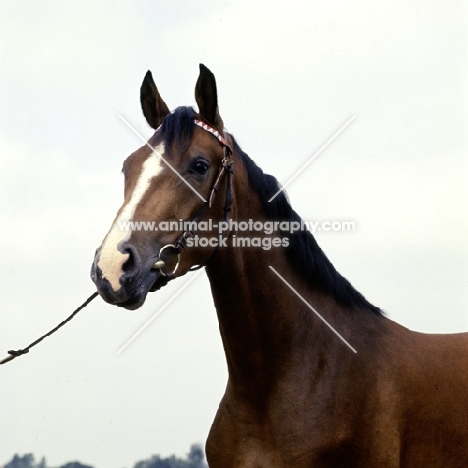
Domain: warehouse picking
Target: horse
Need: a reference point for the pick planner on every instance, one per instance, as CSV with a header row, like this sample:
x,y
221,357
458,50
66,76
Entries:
x,y
317,375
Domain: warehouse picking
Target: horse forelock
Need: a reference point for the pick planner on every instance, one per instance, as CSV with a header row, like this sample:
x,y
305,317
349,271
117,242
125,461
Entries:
x,y
177,129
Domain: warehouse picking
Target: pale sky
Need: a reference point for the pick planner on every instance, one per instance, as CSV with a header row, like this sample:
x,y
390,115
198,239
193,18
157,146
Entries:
x,y
289,75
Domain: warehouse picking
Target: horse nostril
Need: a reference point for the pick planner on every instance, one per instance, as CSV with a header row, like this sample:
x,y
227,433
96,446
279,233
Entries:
x,y
131,266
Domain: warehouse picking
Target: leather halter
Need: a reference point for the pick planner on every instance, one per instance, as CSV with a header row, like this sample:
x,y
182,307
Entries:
x,y
226,167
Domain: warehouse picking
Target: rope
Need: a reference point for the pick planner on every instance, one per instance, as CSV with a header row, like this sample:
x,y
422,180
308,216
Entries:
x,y
14,354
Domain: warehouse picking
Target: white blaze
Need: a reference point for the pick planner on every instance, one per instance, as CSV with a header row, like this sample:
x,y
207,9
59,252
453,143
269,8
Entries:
x,y
111,259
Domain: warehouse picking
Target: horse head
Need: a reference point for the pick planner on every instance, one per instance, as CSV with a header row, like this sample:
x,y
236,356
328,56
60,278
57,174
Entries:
x,y
170,185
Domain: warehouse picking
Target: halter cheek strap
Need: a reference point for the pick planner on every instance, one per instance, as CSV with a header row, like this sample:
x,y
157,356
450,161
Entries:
x,y
225,168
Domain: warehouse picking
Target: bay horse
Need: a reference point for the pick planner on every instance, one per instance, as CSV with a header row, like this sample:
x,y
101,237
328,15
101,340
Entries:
x,y
296,395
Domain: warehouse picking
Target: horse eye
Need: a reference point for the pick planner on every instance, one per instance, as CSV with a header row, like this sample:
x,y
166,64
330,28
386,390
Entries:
x,y
199,167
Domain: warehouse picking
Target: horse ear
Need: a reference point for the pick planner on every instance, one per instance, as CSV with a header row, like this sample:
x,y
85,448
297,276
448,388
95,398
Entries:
x,y
154,108
206,96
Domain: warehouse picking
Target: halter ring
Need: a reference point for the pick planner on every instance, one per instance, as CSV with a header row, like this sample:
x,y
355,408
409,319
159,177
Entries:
x,y
160,264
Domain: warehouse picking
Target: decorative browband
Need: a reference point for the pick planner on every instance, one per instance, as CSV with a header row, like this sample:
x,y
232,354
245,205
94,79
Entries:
x,y
223,142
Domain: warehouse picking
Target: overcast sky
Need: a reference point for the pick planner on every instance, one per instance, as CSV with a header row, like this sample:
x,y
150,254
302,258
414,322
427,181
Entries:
x,y
289,75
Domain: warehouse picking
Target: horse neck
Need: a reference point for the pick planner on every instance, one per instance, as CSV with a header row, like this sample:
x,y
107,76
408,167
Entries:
x,y
268,333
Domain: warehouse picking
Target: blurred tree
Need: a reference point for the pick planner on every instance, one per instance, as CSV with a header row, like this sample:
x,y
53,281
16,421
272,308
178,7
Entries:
x,y
75,464
25,461
157,462
196,457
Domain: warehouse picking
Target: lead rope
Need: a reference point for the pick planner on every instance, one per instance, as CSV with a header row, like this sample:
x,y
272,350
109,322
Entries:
x,y
180,244
14,354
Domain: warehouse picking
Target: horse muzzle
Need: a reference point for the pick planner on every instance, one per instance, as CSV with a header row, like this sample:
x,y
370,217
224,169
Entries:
x,y
129,287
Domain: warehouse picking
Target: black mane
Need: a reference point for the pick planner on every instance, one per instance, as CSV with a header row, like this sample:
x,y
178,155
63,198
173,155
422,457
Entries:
x,y
303,251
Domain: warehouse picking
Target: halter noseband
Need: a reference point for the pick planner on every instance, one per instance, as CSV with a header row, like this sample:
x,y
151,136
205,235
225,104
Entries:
x,y
226,167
